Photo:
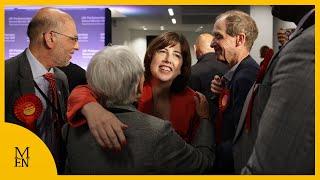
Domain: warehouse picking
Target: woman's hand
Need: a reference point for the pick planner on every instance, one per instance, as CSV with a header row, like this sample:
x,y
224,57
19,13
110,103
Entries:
x,y
202,106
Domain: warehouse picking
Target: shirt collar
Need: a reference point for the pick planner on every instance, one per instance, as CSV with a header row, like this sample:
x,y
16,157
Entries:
x,y
38,70
228,76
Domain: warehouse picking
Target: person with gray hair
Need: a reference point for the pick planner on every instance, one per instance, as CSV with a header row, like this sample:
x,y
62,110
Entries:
x,y
113,74
116,77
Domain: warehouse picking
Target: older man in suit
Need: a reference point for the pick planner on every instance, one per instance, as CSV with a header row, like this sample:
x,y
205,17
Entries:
x,y
206,67
36,91
234,34
276,132
153,146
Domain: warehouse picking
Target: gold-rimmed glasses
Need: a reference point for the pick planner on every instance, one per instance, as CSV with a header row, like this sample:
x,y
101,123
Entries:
x,y
73,38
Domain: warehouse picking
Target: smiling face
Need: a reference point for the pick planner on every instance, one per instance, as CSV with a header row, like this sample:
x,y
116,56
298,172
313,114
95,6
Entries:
x,y
65,46
168,60
223,44
166,63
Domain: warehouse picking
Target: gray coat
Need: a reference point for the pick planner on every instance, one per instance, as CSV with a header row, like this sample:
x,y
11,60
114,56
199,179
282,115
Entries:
x,y
153,147
282,137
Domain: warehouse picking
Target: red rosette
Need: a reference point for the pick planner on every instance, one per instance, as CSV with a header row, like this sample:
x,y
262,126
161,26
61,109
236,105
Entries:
x,y
27,109
224,99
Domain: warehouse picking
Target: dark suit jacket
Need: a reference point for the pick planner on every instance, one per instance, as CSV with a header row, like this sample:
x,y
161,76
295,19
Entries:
x,y
201,75
19,81
75,74
153,147
282,137
239,86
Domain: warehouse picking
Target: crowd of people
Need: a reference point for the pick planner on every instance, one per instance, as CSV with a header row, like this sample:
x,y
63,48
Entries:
x,y
223,115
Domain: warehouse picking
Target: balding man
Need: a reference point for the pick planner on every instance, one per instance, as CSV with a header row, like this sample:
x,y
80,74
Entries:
x,y
36,91
206,67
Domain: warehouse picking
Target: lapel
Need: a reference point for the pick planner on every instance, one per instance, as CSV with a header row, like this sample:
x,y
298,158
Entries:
x,y
26,79
244,112
273,59
246,104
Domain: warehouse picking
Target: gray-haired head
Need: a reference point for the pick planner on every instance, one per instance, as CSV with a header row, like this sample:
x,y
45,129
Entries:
x,y
114,73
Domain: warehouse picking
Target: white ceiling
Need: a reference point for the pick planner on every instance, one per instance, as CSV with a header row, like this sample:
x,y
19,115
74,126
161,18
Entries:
x,y
189,18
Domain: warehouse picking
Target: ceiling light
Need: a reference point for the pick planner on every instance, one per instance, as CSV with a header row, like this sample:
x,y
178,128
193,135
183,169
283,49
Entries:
x,y
170,10
174,21
144,28
161,28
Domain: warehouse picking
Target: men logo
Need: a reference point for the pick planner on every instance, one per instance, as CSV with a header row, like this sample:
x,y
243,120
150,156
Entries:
x,y
22,159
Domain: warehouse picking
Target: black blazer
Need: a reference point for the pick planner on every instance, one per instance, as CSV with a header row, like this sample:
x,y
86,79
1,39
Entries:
x,y
239,86
75,74
201,75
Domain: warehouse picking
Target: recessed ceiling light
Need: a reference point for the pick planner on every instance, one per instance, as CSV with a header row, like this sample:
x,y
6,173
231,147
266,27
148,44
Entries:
x,y
170,10
174,21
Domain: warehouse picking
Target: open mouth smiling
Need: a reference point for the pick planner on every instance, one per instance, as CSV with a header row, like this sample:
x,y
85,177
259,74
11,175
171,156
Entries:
x,y
165,68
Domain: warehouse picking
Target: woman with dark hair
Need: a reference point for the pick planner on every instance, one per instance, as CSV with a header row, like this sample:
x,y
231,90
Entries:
x,y
180,44
116,75
165,94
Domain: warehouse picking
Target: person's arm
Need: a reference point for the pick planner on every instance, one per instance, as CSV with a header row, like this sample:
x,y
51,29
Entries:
x,y
285,141
105,126
173,155
202,112
80,96
202,106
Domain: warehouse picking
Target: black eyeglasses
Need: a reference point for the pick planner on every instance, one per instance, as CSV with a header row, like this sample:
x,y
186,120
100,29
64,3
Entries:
x,y
75,38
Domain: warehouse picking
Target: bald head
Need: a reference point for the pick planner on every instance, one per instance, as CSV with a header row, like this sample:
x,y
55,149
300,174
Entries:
x,y
202,45
47,19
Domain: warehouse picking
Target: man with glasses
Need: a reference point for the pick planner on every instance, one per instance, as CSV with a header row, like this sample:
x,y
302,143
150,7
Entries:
x,y
36,91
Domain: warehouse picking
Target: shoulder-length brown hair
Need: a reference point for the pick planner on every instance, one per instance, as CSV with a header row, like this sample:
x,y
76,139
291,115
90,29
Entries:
x,y
170,39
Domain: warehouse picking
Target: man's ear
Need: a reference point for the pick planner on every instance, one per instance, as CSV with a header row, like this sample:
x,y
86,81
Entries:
x,y
49,39
240,39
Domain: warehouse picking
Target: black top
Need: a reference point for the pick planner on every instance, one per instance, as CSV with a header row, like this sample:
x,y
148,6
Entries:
x,y
201,75
75,74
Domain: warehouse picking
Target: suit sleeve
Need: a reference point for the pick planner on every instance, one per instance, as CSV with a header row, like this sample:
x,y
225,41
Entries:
x,y
80,96
174,156
285,142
